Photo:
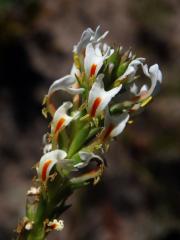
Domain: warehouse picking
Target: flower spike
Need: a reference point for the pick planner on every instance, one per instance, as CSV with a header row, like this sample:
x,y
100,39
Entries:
x,y
99,98
105,89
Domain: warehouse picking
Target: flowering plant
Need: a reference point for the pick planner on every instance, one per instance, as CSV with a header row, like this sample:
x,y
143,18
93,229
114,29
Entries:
x,y
107,87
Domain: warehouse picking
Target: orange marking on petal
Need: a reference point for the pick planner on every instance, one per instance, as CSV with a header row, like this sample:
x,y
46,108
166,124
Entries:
x,y
135,99
53,226
45,168
59,124
93,70
108,131
95,106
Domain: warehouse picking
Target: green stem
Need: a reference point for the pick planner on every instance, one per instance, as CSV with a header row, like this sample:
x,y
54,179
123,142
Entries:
x,y
49,205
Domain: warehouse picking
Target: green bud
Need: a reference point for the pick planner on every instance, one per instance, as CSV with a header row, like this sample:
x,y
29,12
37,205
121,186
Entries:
x,y
121,69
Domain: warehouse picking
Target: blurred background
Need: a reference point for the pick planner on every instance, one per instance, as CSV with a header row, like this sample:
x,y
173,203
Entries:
x,y
139,195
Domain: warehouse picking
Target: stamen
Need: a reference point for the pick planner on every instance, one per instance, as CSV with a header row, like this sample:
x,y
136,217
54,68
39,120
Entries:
x,y
93,70
146,101
45,168
95,106
59,124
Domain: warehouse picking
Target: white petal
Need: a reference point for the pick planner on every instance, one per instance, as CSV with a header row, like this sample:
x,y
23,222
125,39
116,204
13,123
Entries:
x,y
51,158
122,121
145,70
132,68
117,121
95,57
92,58
86,157
62,109
62,84
89,36
74,91
84,40
144,88
47,148
131,71
75,71
97,87
155,75
61,113
97,36
97,91
134,88
65,84
107,97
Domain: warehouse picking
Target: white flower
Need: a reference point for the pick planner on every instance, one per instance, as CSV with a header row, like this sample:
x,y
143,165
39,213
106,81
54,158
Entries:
x,y
114,124
99,98
89,36
145,92
66,84
132,69
61,119
56,225
95,57
48,161
154,73
86,157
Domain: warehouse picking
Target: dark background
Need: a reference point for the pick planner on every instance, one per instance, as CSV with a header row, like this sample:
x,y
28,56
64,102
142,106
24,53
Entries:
x,y
139,195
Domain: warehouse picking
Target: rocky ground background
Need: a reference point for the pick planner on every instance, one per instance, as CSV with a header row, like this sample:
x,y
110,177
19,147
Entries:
x,y
139,195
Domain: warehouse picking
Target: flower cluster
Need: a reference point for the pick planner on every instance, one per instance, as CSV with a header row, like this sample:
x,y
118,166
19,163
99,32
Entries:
x,y
106,91
106,87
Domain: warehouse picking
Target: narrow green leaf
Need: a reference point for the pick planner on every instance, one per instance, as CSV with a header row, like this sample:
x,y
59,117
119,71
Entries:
x,y
79,140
